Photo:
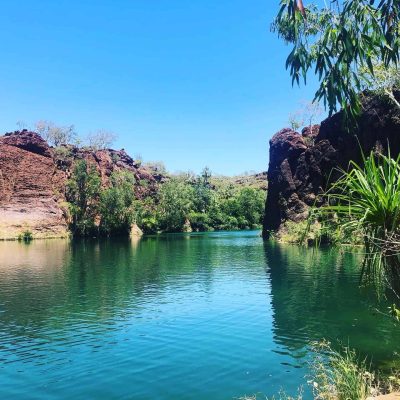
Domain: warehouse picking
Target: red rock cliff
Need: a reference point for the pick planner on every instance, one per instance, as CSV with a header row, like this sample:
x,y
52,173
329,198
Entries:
x,y
33,177
302,166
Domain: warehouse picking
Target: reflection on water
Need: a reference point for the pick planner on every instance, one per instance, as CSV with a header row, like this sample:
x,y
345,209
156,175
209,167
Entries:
x,y
196,316
316,294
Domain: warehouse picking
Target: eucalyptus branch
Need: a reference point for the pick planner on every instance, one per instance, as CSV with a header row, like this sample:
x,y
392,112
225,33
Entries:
x,y
337,43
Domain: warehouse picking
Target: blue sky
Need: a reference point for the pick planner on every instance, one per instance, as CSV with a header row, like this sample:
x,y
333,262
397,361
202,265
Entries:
x,y
187,82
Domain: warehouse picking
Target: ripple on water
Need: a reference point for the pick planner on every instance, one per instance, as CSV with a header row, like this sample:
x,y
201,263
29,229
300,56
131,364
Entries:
x,y
178,316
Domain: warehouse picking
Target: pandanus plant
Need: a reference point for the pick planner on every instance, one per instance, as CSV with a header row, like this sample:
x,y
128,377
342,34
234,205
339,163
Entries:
x,y
366,199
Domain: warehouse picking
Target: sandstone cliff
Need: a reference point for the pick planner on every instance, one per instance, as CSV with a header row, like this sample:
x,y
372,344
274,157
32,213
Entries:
x,y
33,177
303,165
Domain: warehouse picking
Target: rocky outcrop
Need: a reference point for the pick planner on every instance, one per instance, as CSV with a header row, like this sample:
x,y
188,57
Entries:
x,y
254,180
33,177
29,141
29,183
302,166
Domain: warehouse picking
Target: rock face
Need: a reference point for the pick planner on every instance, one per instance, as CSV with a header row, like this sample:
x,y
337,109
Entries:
x,y
29,182
302,166
33,177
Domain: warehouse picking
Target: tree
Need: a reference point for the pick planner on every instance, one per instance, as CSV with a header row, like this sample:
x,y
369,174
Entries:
x,y
385,81
56,135
250,204
101,139
306,115
175,204
146,214
295,121
83,191
202,192
117,204
338,41
206,176
156,166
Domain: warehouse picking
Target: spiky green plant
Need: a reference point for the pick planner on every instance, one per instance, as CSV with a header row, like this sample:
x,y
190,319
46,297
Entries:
x,y
366,199
340,375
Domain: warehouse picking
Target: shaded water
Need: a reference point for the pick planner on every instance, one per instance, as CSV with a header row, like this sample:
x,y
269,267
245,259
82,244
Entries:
x,y
199,316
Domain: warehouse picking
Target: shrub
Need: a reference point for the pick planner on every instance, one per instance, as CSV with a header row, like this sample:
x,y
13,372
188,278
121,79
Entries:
x,y
200,222
316,231
116,206
83,191
366,199
340,375
175,204
101,139
25,236
56,135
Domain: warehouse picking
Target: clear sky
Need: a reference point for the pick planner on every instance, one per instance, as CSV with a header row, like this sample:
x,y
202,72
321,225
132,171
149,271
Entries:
x,y
188,82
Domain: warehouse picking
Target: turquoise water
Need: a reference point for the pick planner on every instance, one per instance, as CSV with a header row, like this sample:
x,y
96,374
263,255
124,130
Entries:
x,y
195,316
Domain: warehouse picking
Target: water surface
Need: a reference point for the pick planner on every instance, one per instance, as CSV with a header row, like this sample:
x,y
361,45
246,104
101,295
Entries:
x,y
191,316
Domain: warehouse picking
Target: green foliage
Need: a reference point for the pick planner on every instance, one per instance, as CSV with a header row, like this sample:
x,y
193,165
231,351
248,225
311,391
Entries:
x,y
298,232
366,199
145,214
25,236
116,207
115,157
340,375
200,222
56,135
96,211
175,204
62,152
83,192
156,166
101,139
183,202
203,195
317,230
205,203
307,114
338,43
250,207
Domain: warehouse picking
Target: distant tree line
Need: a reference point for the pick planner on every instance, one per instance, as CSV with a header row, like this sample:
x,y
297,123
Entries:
x,y
185,202
201,203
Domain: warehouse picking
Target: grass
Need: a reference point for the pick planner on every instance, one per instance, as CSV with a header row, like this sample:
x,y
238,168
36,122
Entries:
x,y
339,375
342,377
314,232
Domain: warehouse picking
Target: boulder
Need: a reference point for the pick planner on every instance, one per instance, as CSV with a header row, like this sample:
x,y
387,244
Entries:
x,y
27,140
